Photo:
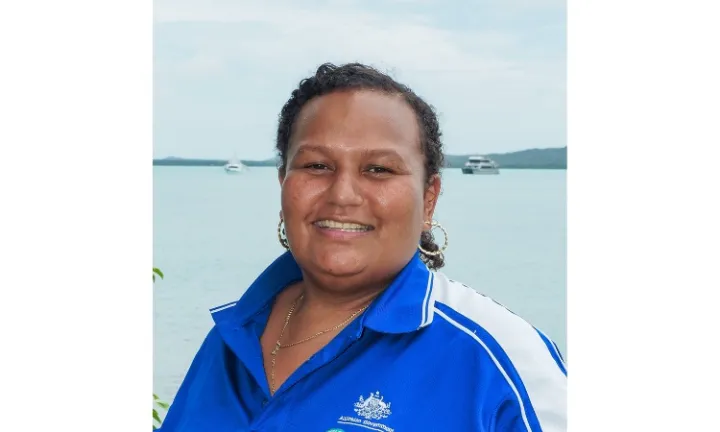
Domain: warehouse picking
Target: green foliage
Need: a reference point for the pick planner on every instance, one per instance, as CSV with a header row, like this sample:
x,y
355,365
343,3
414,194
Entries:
x,y
157,403
156,271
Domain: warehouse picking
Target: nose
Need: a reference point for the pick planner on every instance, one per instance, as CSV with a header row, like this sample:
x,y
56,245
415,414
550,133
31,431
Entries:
x,y
345,190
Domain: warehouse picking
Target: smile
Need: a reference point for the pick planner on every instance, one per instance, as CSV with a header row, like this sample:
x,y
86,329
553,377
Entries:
x,y
343,226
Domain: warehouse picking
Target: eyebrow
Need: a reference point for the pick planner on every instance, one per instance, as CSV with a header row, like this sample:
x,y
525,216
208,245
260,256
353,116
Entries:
x,y
305,148
381,152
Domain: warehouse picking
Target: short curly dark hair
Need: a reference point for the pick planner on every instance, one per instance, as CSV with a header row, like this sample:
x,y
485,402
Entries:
x,y
330,78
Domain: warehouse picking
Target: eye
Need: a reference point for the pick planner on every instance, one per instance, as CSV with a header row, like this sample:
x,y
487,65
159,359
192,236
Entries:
x,y
316,166
376,169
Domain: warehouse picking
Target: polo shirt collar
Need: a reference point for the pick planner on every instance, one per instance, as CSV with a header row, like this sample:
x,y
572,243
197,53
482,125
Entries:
x,y
406,305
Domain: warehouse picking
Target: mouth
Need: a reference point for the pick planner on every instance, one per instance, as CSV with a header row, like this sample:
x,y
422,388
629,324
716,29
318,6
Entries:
x,y
349,227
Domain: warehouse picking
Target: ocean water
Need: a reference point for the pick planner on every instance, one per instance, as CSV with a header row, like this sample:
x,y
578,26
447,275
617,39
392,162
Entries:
x,y
214,233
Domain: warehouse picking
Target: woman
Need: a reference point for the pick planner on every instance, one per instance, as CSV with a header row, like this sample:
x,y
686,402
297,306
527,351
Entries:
x,y
353,329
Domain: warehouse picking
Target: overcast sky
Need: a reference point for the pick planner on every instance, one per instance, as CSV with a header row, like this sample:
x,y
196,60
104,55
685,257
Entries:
x,y
494,70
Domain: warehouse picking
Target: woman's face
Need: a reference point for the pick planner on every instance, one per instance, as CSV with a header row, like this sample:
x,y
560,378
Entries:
x,y
354,195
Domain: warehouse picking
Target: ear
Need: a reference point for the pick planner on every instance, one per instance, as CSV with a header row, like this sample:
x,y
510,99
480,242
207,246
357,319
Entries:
x,y
281,179
432,193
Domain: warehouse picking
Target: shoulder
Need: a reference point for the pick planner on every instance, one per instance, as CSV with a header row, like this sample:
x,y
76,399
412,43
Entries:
x,y
522,354
469,311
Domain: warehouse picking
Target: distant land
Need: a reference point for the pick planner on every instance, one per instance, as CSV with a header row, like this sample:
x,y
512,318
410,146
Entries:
x,y
547,158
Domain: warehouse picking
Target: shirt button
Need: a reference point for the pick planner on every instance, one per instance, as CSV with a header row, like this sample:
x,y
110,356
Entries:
x,y
264,402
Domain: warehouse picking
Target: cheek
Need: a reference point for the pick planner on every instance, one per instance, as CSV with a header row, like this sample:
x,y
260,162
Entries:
x,y
401,207
297,196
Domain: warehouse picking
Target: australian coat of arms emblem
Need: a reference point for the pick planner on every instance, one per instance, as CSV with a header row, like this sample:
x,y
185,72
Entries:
x,y
373,408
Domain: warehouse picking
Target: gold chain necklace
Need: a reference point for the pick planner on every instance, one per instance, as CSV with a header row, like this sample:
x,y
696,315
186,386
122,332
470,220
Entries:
x,y
278,346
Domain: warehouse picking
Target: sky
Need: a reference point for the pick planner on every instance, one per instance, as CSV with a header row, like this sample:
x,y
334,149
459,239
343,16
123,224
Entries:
x,y
493,70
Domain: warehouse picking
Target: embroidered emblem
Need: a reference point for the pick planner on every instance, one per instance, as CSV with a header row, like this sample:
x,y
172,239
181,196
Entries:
x,y
373,408
369,410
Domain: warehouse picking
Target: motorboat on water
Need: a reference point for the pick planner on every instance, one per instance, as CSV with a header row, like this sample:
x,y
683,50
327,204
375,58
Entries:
x,y
234,166
480,165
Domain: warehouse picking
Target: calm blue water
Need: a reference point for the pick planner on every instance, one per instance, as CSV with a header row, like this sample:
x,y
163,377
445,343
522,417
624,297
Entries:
x,y
214,233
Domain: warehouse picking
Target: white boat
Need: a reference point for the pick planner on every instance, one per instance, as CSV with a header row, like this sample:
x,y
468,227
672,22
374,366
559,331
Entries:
x,y
480,165
234,166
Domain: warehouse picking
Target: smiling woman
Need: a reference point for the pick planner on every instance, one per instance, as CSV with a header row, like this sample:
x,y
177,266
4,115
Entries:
x,y
354,327
355,196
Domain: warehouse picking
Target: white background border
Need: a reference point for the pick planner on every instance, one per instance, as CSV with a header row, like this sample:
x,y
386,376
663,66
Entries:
x,y
76,225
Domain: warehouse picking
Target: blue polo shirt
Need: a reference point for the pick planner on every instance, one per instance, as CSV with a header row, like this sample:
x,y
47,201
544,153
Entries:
x,y
429,354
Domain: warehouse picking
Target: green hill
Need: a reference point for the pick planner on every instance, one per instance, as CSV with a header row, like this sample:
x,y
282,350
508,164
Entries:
x,y
548,158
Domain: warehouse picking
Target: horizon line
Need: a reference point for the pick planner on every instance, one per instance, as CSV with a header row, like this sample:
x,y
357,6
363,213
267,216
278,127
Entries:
x,y
446,154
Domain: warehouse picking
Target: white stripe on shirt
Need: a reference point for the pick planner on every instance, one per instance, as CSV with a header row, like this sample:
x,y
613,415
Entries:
x,y
545,383
494,359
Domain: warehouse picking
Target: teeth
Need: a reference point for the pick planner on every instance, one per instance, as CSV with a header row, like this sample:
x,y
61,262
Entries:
x,y
342,226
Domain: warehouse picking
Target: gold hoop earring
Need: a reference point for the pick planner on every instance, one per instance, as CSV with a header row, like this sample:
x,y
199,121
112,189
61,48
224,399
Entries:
x,y
436,224
282,236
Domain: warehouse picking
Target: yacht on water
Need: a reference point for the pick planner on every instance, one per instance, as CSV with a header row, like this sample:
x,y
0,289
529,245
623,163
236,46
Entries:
x,y
480,165
234,166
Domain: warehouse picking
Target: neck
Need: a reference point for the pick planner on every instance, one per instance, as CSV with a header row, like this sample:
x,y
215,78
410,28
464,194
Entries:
x,y
318,298
321,303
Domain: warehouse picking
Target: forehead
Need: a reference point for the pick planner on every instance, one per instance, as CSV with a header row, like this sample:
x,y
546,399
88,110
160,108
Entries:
x,y
358,120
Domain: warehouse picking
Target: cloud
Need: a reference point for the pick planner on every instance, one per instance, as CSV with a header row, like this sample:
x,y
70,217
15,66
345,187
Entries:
x,y
226,67
303,36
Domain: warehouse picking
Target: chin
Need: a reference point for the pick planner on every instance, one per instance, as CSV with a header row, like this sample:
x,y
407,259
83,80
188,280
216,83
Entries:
x,y
340,261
